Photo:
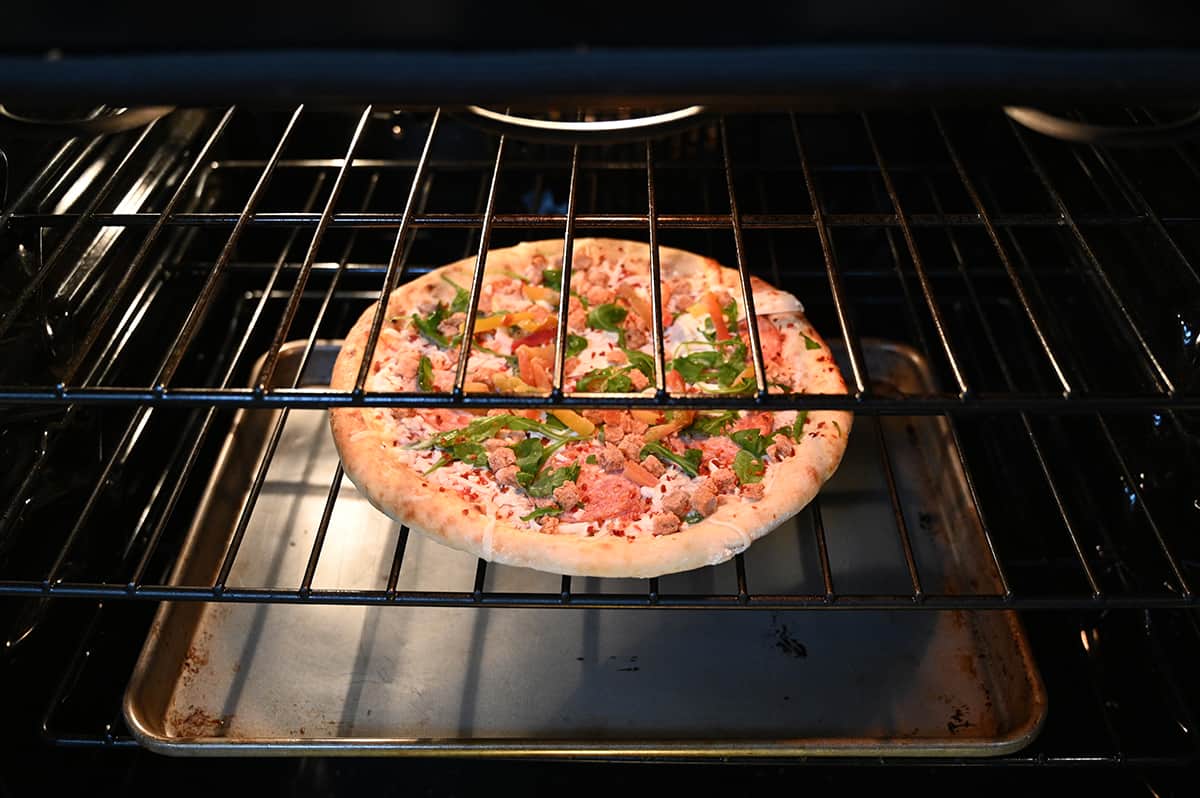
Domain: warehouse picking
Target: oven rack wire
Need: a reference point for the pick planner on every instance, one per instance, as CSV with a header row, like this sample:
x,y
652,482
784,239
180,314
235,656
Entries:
x,y
1086,564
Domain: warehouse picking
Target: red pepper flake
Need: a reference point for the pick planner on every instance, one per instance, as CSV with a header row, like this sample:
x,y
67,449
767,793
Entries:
x,y
618,532
591,529
465,511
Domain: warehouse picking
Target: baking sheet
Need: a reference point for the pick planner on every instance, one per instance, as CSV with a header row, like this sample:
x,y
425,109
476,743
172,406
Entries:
x,y
285,679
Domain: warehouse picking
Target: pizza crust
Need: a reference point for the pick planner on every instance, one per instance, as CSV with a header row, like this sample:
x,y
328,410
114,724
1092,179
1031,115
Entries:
x,y
407,497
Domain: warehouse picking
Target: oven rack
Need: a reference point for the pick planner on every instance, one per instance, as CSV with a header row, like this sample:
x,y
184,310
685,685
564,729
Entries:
x,y
1157,384
1145,561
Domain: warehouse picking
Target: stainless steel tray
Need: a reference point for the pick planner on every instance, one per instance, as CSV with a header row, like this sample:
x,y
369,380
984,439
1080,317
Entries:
x,y
248,679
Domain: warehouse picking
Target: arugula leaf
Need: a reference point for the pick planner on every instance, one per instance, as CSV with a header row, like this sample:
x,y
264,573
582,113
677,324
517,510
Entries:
x,y
641,361
512,274
721,365
553,509
748,468
715,424
529,456
694,367
470,453
591,459
446,460
425,374
693,517
462,297
575,344
551,478
689,462
482,429
582,300
731,314
746,386
428,326
798,425
552,278
610,379
752,440
607,317
809,344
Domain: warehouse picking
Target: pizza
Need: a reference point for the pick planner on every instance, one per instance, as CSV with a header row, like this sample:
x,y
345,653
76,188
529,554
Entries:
x,y
618,493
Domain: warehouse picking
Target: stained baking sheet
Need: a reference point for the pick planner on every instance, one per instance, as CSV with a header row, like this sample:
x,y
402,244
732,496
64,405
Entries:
x,y
286,679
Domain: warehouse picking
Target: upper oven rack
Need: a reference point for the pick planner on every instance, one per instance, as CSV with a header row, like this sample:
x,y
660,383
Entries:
x,y
1068,391
328,284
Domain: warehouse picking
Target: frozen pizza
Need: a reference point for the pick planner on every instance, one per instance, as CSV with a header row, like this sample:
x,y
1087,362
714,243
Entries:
x,y
622,492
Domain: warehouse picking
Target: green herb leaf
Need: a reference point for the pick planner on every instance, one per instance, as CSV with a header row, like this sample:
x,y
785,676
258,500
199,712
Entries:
x,y
591,459
530,453
446,460
693,517
752,440
607,317
462,297
610,379
551,478
731,313
748,468
745,386
512,274
428,326
689,462
470,453
552,278
641,361
809,344
541,511
575,344
714,424
484,428
425,374
798,425
619,384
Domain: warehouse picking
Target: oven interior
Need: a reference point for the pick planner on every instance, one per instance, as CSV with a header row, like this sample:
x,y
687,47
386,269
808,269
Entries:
x,y
1050,287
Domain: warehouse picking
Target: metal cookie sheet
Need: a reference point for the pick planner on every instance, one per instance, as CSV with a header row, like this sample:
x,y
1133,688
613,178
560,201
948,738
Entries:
x,y
285,679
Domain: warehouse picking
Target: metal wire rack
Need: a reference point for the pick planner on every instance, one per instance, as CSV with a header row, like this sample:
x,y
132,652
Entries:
x,y
996,330
1052,287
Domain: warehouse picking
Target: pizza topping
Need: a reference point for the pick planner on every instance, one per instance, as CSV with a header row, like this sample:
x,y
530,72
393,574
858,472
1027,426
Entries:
x,y
567,496
610,497
542,512
753,491
508,476
611,458
654,466
704,499
608,317
638,475
748,468
688,462
665,523
501,457
781,448
638,380
723,480
631,445
425,374
677,502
